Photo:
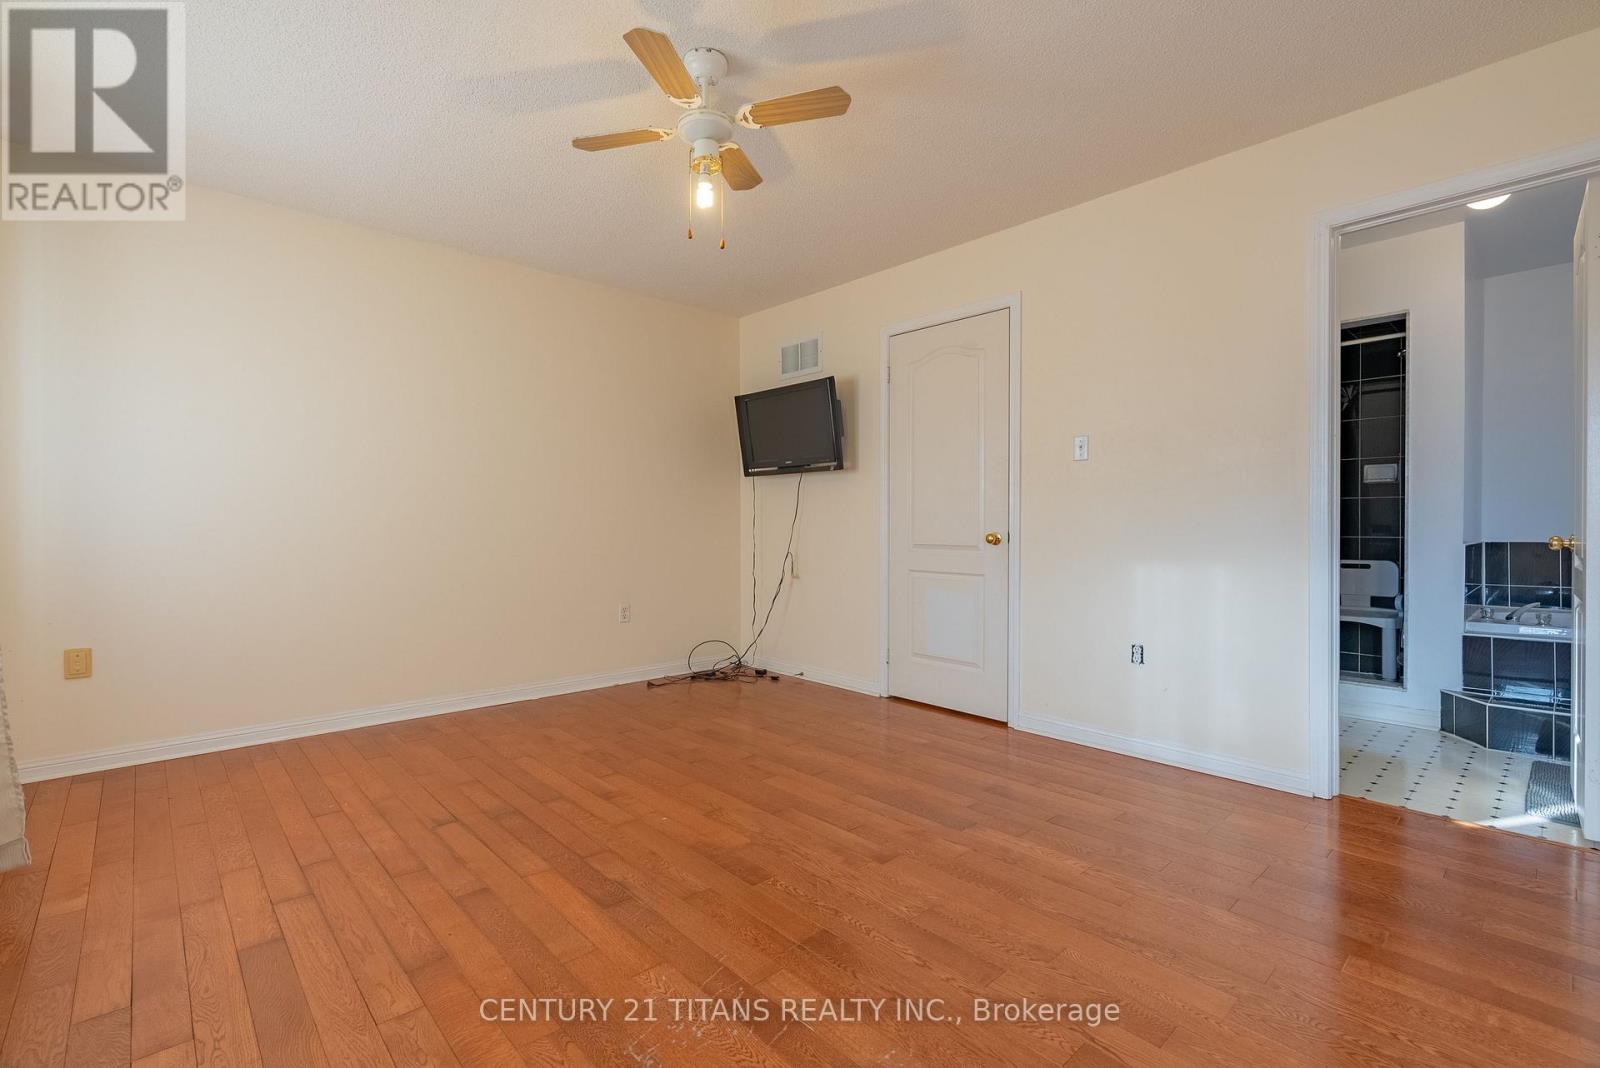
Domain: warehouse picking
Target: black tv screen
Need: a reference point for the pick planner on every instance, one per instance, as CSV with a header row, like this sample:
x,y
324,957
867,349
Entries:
x,y
792,428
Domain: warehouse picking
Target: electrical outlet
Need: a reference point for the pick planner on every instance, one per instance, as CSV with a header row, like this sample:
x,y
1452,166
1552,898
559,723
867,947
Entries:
x,y
77,663
624,613
1136,656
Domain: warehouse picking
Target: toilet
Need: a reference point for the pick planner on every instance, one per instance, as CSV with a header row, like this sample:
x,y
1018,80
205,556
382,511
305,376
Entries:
x,y
1359,582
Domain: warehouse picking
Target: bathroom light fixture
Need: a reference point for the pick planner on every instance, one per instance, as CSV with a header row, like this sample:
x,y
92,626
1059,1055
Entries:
x,y
1489,202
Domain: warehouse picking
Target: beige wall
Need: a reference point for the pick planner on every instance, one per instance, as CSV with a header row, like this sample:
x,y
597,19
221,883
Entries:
x,y
1168,321
283,467
10,448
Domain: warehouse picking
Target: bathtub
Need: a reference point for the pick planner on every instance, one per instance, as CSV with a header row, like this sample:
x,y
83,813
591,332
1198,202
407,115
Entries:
x,y
1531,625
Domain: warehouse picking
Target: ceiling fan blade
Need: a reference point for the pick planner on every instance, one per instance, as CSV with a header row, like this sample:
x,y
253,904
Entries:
x,y
737,170
601,142
817,104
661,59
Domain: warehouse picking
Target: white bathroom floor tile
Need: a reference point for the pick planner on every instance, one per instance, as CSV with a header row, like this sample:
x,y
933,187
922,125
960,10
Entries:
x,y
1430,771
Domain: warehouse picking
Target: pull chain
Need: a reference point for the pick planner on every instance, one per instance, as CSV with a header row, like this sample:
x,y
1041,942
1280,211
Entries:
x,y
722,220
691,203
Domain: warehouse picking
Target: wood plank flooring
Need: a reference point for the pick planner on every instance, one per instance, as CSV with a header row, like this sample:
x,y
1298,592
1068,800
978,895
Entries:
x,y
354,898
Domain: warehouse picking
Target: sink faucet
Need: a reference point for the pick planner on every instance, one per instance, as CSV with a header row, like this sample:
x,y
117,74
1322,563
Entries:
x,y
1515,615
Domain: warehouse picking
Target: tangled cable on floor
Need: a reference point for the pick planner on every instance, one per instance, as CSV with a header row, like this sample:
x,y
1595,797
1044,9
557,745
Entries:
x,y
735,667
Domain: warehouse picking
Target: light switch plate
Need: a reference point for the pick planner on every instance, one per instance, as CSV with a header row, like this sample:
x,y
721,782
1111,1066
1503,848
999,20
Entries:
x,y
77,663
1080,447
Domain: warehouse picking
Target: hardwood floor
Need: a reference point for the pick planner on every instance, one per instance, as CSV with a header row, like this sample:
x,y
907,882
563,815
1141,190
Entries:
x,y
354,898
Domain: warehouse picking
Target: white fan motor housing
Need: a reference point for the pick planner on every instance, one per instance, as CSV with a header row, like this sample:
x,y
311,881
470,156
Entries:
x,y
703,124
706,66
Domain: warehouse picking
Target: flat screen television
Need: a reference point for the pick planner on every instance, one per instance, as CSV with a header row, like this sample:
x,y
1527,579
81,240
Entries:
x,y
792,428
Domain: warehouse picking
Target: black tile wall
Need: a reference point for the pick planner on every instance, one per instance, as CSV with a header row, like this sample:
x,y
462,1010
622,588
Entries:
x,y
1477,669
1511,574
1381,517
1372,432
1525,671
1518,730
1545,596
1360,649
1512,728
1497,563
1472,720
1517,669
1561,737
1381,438
1534,564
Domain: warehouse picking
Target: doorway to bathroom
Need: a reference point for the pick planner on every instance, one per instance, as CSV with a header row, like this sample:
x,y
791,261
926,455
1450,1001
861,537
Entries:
x,y
1461,493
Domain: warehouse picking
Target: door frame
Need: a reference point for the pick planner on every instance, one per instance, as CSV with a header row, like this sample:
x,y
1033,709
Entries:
x,y
1322,698
1011,302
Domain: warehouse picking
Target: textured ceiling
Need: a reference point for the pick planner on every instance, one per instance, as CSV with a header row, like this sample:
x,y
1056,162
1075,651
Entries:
x,y
451,121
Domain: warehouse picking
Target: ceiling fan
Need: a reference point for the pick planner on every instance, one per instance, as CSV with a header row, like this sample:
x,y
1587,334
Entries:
x,y
708,130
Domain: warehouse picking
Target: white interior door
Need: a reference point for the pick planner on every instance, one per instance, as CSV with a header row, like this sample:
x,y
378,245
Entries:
x,y
1586,329
949,439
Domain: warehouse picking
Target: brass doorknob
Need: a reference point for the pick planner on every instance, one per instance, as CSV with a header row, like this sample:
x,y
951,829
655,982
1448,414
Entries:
x,y
1557,542
993,537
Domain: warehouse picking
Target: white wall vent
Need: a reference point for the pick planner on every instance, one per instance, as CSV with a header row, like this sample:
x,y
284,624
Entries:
x,y
800,358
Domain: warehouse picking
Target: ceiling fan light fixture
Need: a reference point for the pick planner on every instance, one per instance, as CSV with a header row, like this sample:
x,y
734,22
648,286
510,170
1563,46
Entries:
x,y
705,167
704,195
705,126
1489,202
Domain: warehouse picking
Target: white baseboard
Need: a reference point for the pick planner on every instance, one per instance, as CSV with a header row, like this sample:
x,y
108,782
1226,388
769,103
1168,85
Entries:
x,y
239,737
235,738
1160,752
826,678
1383,703
1404,717
1163,753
